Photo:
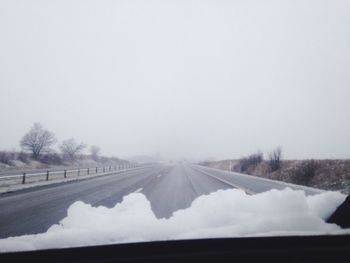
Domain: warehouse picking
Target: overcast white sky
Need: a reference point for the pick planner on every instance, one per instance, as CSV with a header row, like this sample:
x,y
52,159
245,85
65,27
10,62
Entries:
x,y
187,79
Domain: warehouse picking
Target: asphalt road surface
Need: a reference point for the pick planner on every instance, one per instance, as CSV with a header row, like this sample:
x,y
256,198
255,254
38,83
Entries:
x,y
168,188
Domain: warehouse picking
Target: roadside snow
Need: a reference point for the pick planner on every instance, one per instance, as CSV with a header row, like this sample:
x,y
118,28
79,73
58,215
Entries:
x,y
225,213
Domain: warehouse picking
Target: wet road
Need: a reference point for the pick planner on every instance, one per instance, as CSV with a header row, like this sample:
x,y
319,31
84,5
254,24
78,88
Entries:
x,y
168,188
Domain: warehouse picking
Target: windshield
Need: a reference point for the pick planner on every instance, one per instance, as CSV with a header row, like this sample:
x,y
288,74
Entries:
x,y
128,121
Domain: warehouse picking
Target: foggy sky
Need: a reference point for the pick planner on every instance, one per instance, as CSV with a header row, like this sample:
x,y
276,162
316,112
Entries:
x,y
187,79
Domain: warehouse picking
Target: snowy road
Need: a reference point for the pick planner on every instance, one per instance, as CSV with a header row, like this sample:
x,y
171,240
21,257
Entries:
x,y
168,188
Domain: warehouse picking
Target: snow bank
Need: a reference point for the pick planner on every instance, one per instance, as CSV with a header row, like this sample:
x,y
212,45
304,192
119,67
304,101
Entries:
x,y
225,213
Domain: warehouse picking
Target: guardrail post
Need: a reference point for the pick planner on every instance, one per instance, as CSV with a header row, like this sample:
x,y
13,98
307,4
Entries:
x,y
103,169
47,175
78,171
88,171
109,169
96,169
24,178
65,173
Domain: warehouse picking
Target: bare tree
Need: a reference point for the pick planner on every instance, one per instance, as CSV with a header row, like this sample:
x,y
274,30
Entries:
x,y
6,157
275,159
37,140
95,151
70,148
305,172
250,161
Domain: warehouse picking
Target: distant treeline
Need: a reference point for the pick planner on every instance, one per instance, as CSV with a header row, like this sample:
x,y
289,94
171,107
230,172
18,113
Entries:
x,y
12,158
37,145
325,174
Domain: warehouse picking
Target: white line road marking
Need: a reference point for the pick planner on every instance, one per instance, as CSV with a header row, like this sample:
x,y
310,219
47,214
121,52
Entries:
x,y
138,190
227,182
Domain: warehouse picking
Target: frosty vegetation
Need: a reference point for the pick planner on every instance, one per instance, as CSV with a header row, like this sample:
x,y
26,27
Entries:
x,y
225,213
38,151
327,174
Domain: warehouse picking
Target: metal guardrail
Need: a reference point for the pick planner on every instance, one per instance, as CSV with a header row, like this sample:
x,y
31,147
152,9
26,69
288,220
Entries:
x,y
61,174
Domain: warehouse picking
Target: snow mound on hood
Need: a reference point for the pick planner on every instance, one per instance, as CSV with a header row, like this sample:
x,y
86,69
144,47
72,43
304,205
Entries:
x,y
225,213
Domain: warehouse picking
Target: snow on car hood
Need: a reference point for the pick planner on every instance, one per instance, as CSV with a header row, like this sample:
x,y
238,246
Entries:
x,y
225,213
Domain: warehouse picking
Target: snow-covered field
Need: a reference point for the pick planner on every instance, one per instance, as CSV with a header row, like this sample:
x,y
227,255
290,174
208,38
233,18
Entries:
x,y
225,213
